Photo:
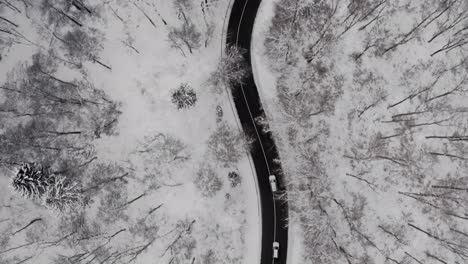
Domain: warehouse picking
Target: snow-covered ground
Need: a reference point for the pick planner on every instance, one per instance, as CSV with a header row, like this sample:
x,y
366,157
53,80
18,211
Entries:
x,y
163,149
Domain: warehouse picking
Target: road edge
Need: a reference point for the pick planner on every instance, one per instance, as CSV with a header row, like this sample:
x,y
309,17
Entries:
x,y
257,39
249,157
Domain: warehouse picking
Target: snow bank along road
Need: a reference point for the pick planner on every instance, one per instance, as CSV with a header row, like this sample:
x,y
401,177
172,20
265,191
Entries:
x,y
264,152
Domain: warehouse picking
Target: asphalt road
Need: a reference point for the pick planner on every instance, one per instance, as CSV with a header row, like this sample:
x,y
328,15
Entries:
x,y
264,152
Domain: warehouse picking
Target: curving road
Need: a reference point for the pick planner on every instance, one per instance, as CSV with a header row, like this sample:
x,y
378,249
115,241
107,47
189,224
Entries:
x,y
264,152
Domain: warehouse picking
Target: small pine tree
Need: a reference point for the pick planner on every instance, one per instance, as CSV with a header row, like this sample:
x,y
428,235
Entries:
x,y
184,96
31,181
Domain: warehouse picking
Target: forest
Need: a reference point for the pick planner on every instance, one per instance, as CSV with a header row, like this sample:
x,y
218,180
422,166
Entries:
x,y
370,115
117,143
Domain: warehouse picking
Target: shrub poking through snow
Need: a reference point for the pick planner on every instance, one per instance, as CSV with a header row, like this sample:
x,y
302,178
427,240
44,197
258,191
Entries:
x,y
184,96
208,182
234,178
219,113
55,191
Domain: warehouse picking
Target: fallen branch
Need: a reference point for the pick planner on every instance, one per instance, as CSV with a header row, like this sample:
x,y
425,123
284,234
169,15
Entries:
x,y
425,232
100,63
434,257
50,244
64,14
141,10
447,155
392,136
131,201
8,21
11,6
186,230
427,123
18,247
115,13
411,96
24,260
391,234
411,256
154,209
451,138
30,223
136,254
392,160
106,181
407,114
370,106
449,187
393,260
370,184
116,233
459,232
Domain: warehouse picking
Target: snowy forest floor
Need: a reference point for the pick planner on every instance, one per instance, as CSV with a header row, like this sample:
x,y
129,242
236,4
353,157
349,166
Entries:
x,y
162,185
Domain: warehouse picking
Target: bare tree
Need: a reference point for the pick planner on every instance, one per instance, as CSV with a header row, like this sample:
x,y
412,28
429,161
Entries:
x,y
187,35
231,69
207,181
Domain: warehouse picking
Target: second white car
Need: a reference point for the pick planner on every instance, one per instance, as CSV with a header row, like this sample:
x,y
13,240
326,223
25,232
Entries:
x,y
275,250
274,186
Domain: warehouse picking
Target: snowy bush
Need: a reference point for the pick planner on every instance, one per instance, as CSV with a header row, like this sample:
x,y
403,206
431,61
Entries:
x,y
81,45
208,182
219,113
234,178
225,144
160,155
112,204
184,96
146,227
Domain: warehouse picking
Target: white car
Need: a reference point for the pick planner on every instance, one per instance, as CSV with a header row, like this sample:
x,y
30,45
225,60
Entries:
x,y
273,185
275,249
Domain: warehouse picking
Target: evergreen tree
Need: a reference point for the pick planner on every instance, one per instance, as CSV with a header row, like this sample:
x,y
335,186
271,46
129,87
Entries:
x,y
31,181
184,97
55,191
